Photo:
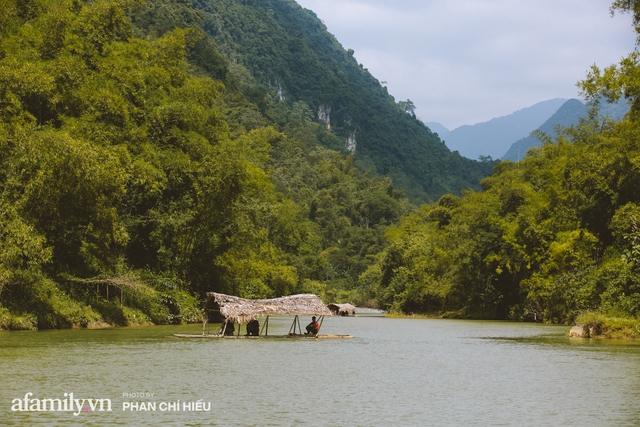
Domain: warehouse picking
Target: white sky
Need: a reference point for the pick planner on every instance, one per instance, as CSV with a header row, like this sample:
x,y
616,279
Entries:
x,y
468,61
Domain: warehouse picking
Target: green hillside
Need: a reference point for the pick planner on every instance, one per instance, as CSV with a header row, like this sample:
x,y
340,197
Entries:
x,y
283,52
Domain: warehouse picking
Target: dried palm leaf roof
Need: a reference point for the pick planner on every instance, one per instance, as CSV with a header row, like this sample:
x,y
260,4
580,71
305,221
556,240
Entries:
x,y
342,308
242,310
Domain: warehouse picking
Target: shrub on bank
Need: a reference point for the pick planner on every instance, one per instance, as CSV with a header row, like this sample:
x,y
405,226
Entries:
x,y
9,320
42,303
53,307
610,326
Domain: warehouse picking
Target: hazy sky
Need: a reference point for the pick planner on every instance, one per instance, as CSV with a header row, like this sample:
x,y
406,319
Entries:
x,y
467,61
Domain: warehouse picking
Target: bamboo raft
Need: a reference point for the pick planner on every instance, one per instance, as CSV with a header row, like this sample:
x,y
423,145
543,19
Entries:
x,y
252,337
239,310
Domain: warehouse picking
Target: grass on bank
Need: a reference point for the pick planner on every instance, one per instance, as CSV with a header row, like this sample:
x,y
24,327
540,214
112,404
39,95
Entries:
x,y
610,326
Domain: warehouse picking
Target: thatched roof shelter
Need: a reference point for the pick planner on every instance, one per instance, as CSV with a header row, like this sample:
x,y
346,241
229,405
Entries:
x,y
343,309
242,310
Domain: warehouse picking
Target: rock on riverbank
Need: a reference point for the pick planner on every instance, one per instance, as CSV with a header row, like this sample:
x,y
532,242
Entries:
x,y
584,331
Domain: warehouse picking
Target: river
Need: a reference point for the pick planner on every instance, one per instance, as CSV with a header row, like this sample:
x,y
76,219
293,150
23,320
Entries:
x,y
395,372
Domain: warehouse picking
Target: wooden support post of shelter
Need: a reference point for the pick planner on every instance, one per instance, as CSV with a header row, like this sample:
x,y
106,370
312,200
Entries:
x,y
293,325
265,327
320,325
224,328
205,320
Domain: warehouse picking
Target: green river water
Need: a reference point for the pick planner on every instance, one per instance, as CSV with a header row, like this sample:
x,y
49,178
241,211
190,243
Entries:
x,y
395,372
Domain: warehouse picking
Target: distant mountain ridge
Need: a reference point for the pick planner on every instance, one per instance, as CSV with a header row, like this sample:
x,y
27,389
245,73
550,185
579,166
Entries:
x,y
568,115
438,128
494,137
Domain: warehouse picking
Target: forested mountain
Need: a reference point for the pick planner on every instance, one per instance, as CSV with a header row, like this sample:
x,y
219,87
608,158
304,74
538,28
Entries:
x,y
280,50
494,137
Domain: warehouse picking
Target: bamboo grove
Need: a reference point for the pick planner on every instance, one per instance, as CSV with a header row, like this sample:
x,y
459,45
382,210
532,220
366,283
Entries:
x,y
135,176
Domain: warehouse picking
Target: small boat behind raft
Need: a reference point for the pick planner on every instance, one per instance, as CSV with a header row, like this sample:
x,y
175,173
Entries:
x,y
240,310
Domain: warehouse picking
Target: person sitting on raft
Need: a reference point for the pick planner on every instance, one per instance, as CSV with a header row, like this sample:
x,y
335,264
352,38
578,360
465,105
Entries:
x,y
253,328
313,327
228,330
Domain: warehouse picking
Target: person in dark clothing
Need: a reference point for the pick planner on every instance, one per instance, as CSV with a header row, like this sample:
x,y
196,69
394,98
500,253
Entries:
x,y
253,328
229,329
313,327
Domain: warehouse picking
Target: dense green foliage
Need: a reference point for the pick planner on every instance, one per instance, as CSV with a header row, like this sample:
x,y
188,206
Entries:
x,y
136,173
548,238
554,237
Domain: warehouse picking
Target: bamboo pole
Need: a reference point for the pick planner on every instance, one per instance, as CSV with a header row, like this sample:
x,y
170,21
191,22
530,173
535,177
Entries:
x,y
293,325
266,322
320,325
224,328
205,320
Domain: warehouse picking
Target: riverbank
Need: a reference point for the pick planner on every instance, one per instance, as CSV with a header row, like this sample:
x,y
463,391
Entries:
x,y
397,315
45,304
598,325
588,325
